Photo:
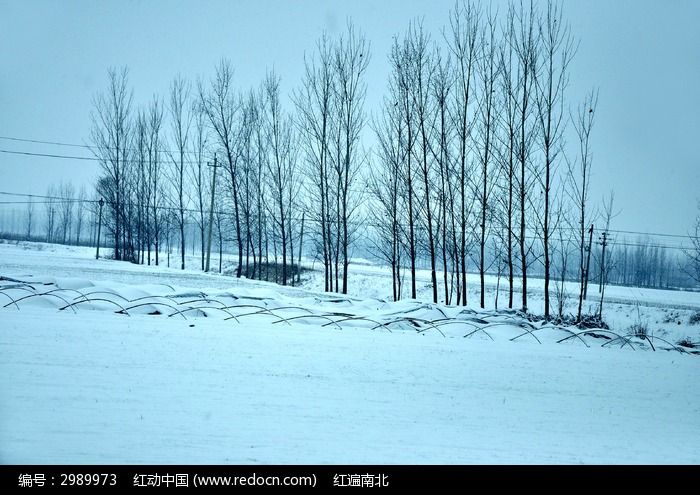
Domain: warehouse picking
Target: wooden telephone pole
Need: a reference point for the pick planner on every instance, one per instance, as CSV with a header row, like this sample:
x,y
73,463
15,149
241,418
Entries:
x,y
211,210
101,202
603,273
588,262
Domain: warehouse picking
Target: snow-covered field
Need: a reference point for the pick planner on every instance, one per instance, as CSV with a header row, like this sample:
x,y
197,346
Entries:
x,y
157,365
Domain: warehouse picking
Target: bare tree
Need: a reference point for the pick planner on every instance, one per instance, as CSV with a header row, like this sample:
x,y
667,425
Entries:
x,y
607,261
80,213
350,64
442,85
419,82
51,212
400,60
140,157
508,149
281,166
250,119
260,184
693,254
557,48
463,40
386,185
579,175
563,250
526,49
199,174
181,121
66,191
30,218
155,122
110,136
488,74
222,107
293,196
314,105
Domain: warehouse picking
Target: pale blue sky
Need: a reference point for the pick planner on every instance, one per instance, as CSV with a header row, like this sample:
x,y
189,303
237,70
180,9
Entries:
x,y
644,56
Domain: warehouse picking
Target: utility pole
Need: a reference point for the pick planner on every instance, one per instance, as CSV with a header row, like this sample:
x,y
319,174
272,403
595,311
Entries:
x,y
604,243
301,246
101,202
211,210
588,262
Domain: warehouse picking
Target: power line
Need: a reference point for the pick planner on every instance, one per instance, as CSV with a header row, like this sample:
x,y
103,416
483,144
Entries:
x,y
131,161
653,234
49,155
59,200
5,193
661,246
86,158
84,146
54,201
95,159
53,143
64,199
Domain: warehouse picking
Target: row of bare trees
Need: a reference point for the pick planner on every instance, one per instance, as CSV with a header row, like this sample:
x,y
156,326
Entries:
x,y
277,170
64,211
470,151
693,254
330,120
469,170
64,215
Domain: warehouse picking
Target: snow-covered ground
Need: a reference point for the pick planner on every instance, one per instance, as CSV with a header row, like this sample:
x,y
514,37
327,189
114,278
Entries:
x,y
157,365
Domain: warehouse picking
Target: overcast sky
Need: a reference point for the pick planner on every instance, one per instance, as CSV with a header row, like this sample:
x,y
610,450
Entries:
x,y
644,56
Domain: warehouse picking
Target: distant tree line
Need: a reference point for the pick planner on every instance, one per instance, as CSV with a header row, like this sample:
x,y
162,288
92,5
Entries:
x,y
64,215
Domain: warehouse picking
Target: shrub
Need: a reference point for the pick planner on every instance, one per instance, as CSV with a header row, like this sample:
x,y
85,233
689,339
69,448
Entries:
x,y
686,342
695,318
592,321
672,317
640,330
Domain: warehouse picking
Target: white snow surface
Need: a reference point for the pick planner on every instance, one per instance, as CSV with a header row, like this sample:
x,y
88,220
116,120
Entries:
x,y
155,365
